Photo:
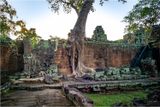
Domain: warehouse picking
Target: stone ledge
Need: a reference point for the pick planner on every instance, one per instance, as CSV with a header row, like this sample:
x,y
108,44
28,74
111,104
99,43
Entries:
x,y
76,97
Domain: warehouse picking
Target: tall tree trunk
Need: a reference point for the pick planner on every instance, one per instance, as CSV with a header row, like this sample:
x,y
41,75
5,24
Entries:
x,y
76,40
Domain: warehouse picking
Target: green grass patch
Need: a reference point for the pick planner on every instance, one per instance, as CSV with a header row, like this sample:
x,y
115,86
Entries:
x,y
110,99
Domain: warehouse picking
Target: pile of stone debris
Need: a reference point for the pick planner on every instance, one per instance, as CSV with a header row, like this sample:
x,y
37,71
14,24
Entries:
x,y
123,73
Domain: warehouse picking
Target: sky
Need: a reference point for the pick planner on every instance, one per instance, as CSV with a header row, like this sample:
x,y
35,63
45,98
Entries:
x,y
38,14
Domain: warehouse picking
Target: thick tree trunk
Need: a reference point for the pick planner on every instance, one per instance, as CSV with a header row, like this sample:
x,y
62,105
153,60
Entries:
x,y
76,40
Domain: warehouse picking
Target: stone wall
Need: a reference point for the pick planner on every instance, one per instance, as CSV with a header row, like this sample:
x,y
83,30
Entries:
x,y
44,56
11,59
4,57
98,56
61,60
102,56
23,57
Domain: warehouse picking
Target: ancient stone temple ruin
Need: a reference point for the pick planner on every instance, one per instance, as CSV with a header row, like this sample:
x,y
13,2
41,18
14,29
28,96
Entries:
x,y
46,66
96,55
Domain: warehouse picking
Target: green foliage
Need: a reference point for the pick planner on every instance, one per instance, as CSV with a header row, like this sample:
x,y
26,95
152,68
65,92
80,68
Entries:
x,y
141,18
129,38
122,73
55,41
110,99
27,33
99,34
53,70
68,5
119,41
46,44
148,60
5,39
9,26
155,35
144,14
139,36
6,88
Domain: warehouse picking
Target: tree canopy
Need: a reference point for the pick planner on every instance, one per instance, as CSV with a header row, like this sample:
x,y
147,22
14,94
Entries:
x,y
144,14
9,24
68,5
7,13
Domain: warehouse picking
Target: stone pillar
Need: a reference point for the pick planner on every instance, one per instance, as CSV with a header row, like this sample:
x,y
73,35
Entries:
x,y
27,55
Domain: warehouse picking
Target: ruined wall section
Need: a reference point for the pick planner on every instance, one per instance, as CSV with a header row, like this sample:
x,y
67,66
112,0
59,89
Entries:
x,y
62,61
4,57
43,56
120,56
108,55
98,56
11,58
95,55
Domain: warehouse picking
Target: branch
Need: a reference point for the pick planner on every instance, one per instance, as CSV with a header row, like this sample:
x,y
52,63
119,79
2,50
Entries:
x,y
72,5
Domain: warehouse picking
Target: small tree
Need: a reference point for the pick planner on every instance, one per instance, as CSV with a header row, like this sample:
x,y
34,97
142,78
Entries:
x,y
8,25
144,15
99,34
25,33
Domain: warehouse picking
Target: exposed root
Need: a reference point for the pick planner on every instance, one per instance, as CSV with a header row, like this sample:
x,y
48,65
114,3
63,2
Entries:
x,y
82,71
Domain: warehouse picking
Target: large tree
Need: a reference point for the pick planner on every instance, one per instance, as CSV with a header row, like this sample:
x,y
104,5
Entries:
x,y
77,34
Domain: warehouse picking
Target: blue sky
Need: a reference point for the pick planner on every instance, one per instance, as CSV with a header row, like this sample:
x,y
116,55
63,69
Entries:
x,y
37,14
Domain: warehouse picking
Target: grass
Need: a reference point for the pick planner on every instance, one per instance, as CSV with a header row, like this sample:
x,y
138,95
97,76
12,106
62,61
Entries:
x,y
110,99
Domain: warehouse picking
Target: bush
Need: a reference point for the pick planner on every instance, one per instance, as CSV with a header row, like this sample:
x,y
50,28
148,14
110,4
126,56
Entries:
x,y
5,40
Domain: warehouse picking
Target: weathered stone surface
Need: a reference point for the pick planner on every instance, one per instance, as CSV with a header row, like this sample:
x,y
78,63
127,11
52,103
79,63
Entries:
x,y
77,97
122,73
62,61
4,58
11,61
113,85
42,57
97,56
47,97
48,79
